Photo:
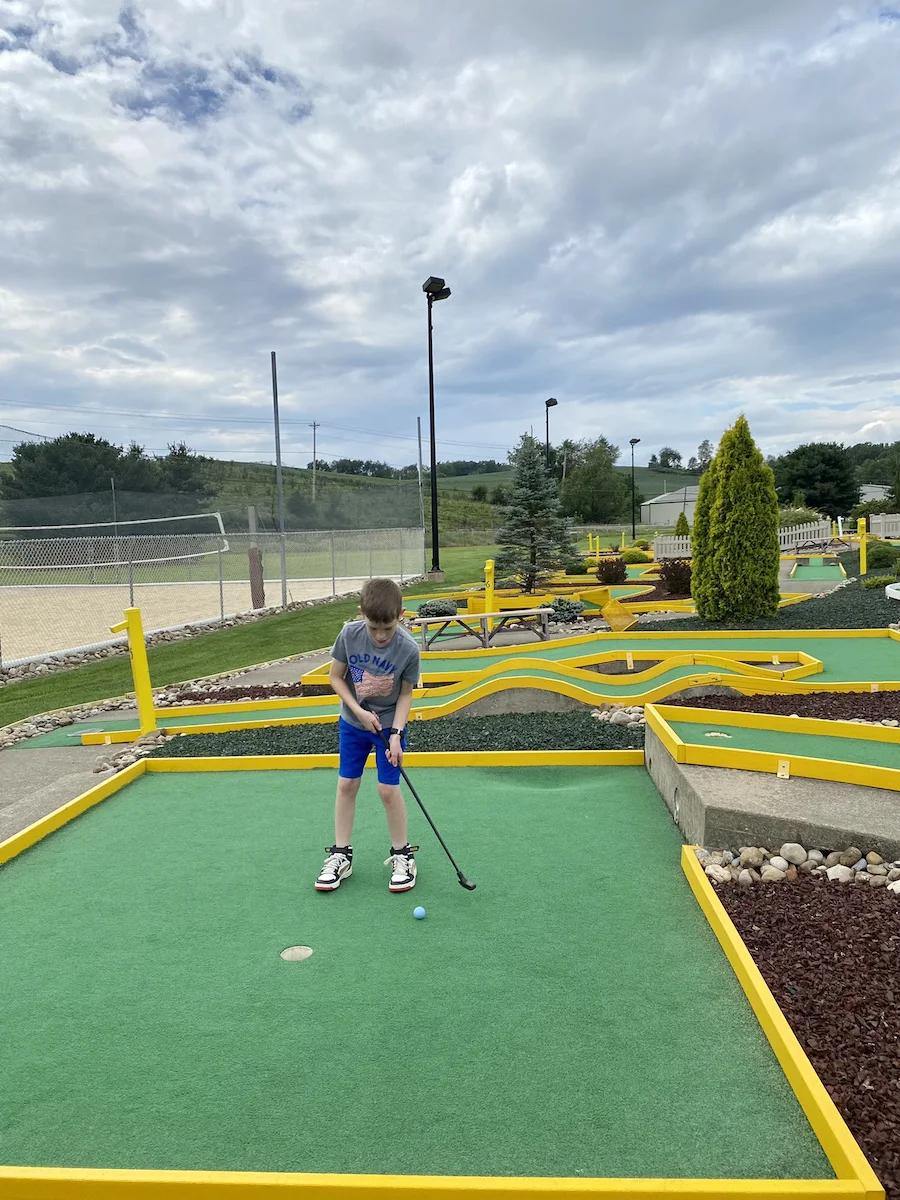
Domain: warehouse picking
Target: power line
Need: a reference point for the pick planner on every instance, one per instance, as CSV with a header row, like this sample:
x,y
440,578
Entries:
x,y
217,419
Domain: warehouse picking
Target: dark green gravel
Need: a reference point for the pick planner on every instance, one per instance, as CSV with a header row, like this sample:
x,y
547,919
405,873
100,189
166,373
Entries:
x,y
850,607
514,731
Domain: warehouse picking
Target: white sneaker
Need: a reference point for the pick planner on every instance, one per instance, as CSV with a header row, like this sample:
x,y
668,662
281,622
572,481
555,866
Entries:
x,y
403,875
338,866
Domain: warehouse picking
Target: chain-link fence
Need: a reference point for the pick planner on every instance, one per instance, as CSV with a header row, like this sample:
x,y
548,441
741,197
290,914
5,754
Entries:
x,y
63,594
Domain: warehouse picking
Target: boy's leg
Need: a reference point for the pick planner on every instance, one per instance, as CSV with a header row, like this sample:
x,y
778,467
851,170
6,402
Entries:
x,y
401,858
395,811
345,810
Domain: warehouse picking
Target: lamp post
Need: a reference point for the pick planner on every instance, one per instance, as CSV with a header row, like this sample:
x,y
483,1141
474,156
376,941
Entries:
x,y
434,289
633,443
548,404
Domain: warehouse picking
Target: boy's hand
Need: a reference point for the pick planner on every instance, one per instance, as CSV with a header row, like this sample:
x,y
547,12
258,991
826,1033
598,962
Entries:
x,y
370,720
395,750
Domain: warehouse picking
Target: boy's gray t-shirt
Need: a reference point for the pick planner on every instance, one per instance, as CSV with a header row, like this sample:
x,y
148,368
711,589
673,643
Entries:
x,y
375,673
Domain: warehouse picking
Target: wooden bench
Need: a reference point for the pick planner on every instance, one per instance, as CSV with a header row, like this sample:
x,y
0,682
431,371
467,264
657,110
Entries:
x,y
476,624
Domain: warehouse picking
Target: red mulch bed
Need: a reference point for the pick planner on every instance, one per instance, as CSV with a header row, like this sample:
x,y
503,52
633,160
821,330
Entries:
x,y
259,691
830,954
834,706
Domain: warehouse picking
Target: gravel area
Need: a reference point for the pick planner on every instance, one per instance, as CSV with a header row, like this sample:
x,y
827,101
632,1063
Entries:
x,y
829,955
512,731
871,707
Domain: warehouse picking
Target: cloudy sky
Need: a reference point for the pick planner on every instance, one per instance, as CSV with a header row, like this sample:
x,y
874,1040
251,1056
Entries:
x,y
661,213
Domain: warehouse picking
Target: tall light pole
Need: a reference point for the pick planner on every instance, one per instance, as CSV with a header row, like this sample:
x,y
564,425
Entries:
x,y
633,443
548,404
434,289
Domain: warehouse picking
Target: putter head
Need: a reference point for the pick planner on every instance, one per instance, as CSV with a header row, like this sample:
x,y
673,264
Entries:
x,y
466,883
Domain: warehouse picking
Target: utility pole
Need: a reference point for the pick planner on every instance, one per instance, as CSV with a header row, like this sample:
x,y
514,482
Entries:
x,y
280,483
314,426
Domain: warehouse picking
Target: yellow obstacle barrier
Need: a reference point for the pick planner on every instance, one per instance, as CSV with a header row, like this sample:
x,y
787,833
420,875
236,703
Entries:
x,y
489,591
861,534
140,668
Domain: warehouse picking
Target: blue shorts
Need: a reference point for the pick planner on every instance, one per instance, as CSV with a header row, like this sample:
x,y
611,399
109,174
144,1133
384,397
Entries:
x,y
355,747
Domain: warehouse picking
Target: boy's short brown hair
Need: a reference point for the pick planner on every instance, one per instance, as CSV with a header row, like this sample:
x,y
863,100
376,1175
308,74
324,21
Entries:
x,y
381,600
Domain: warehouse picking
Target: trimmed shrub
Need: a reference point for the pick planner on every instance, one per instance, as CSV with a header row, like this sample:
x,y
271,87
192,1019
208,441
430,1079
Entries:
x,y
682,529
611,570
510,584
565,610
643,545
879,581
675,576
578,567
880,554
630,557
438,608
738,556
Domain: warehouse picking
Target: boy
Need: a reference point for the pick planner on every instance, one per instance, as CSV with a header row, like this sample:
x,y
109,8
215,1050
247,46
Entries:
x,y
375,662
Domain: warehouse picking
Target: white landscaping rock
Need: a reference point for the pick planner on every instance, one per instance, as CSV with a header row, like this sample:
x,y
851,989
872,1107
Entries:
x,y
718,874
794,853
772,874
779,863
840,873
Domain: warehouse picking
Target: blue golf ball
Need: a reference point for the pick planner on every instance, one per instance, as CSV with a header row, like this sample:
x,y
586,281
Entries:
x,y
419,913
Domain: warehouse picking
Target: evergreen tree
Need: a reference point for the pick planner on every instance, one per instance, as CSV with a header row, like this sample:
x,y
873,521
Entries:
x,y
824,472
739,549
682,529
535,538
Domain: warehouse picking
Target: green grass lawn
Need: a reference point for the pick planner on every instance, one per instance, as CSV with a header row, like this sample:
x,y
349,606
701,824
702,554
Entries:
x,y
210,653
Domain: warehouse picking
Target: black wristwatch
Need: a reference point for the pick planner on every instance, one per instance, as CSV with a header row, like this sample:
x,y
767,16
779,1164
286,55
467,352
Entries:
x,y
392,731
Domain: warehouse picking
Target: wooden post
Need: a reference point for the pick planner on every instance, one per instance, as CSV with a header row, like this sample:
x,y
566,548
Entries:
x,y
861,533
489,589
140,668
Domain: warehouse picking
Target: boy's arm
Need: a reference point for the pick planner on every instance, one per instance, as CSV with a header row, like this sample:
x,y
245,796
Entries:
x,y
336,677
401,716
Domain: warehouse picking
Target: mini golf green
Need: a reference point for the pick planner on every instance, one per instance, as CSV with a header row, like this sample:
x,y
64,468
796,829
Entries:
x,y
774,741
821,571
569,1018
851,659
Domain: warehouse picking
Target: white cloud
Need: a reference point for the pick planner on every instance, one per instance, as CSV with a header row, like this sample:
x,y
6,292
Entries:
x,y
661,214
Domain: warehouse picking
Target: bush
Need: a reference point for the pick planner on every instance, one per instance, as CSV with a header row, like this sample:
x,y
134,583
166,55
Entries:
x,y
797,516
565,610
578,567
642,545
880,554
682,529
872,506
879,581
611,570
630,557
675,576
510,584
438,608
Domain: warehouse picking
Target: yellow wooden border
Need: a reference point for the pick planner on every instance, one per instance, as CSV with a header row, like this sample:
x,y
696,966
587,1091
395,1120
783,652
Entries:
x,y
45,1183
844,1154
477,758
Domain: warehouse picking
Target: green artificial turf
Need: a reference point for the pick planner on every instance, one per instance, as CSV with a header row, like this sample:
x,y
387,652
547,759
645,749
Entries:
x,y
523,1029
822,571
806,745
511,731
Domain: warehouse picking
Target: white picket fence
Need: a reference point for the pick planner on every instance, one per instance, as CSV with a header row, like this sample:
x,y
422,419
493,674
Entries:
x,y
885,525
815,533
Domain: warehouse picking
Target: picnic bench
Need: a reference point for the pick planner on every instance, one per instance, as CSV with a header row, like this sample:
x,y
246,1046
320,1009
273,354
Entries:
x,y
478,624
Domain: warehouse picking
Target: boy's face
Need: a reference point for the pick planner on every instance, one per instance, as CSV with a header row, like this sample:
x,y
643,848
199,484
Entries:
x,y
381,632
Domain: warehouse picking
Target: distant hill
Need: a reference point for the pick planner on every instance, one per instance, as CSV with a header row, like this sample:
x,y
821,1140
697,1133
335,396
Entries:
x,y
651,482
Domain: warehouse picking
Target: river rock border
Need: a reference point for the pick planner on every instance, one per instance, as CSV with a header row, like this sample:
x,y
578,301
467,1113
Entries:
x,y
756,864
